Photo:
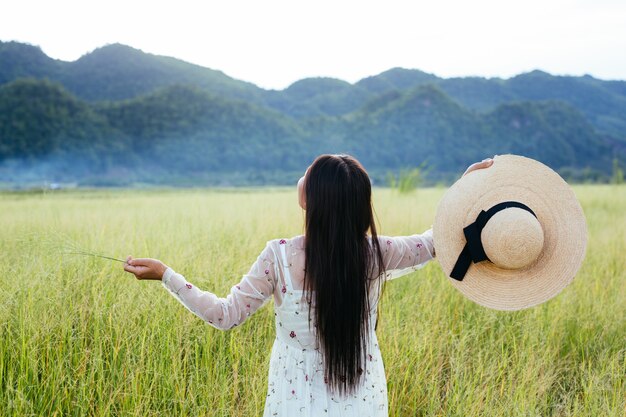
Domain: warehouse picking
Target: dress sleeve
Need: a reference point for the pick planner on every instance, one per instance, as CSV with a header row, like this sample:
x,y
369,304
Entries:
x,y
252,292
405,254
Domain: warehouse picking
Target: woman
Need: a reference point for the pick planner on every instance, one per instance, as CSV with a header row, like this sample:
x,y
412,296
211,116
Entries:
x,y
326,284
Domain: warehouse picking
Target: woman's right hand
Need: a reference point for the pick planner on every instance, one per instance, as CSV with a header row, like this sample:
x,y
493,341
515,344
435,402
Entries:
x,y
485,163
145,268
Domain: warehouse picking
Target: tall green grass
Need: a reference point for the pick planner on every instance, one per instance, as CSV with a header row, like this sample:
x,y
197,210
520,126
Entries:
x,y
78,337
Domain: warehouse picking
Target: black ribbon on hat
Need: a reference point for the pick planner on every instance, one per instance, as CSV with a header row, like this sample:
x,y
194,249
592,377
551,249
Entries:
x,y
473,250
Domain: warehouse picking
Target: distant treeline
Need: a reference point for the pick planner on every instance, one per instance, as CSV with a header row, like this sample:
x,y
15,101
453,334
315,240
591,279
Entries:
x,y
118,116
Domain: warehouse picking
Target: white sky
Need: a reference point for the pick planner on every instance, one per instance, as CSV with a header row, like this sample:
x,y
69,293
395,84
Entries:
x,y
273,43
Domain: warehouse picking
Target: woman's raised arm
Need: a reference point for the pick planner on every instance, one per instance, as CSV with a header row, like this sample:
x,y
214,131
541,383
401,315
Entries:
x,y
405,254
251,293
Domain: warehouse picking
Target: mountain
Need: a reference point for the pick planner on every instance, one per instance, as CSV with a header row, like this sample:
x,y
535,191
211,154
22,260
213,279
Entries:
x,y
116,72
420,125
600,101
176,130
191,130
45,132
181,131
314,97
119,115
426,125
396,79
39,117
18,60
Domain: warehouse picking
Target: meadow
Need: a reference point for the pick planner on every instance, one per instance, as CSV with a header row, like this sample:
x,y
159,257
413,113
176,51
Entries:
x,y
79,337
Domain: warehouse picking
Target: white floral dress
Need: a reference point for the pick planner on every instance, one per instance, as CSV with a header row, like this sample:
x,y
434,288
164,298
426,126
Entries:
x,y
296,385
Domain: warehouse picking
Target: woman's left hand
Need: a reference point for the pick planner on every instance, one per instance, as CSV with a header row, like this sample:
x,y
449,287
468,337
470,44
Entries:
x,y
145,268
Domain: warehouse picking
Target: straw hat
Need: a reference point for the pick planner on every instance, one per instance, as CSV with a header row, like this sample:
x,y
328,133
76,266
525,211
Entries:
x,y
524,248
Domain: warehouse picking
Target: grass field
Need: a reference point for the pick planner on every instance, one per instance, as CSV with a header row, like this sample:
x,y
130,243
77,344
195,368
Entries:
x,y
79,337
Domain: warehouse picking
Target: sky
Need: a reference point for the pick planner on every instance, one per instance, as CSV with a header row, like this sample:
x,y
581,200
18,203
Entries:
x,y
274,43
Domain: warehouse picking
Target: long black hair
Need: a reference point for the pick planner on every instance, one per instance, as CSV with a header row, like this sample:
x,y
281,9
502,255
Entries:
x,y
340,265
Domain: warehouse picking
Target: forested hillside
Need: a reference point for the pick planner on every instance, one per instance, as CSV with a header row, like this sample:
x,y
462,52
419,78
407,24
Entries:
x,y
118,115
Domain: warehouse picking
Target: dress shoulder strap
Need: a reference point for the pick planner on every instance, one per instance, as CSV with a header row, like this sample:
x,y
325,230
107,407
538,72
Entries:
x,y
283,251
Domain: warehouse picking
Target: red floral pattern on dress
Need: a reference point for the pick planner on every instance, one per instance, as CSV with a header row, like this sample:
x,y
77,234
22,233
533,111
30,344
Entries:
x,y
292,334
282,241
189,286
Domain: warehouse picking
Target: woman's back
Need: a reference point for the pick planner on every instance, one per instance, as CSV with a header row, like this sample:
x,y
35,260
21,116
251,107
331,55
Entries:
x,y
290,297
401,255
296,382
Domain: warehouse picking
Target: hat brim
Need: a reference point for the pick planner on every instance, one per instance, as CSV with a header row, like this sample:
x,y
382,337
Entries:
x,y
513,178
